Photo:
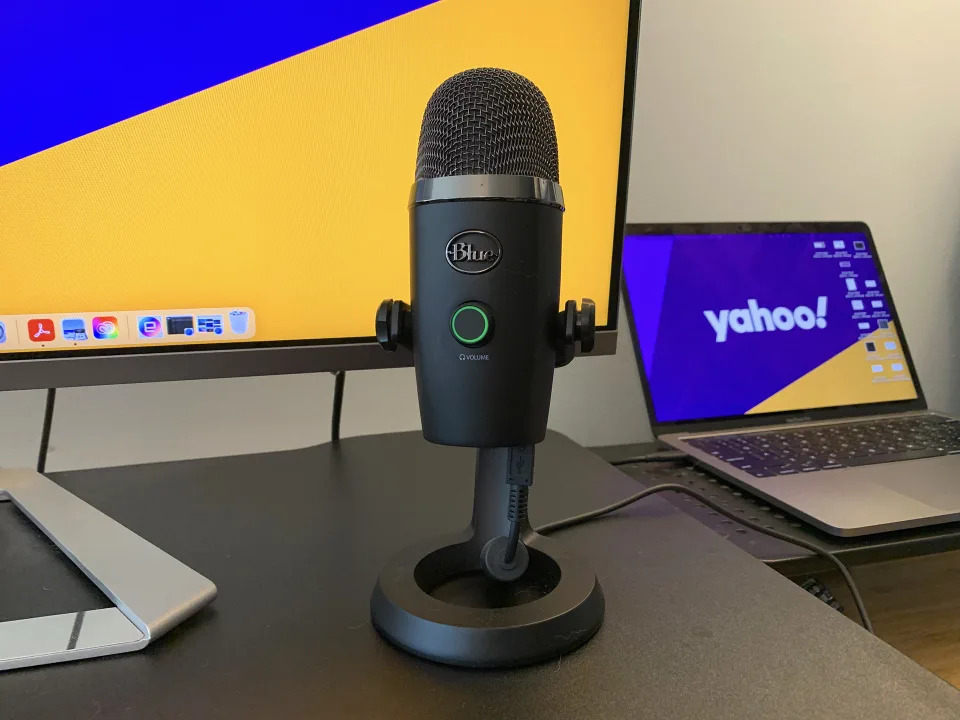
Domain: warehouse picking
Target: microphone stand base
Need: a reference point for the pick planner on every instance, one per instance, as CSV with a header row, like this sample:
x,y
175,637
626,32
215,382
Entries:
x,y
434,601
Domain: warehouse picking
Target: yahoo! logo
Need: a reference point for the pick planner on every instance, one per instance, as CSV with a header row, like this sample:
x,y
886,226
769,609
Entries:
x,y
754,318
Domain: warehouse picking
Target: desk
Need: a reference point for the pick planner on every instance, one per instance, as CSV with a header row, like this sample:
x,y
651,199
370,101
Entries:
x,y
788,558
695,628
908,578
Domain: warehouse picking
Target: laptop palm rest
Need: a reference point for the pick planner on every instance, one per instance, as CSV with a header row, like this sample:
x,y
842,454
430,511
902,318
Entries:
x,y
932,481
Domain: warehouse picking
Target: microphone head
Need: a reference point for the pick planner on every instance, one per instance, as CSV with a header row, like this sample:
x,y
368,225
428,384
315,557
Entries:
x,y
488,121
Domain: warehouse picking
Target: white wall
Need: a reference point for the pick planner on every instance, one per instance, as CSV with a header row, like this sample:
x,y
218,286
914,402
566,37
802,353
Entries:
x,y
799,110
747,110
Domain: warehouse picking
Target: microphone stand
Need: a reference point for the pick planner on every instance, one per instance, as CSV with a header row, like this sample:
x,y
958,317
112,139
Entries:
x,y
434,600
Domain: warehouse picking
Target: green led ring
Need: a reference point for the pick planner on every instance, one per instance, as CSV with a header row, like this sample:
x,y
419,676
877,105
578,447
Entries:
x,y
481,336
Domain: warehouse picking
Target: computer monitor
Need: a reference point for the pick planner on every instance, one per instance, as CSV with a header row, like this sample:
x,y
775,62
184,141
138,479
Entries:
x,y
194,190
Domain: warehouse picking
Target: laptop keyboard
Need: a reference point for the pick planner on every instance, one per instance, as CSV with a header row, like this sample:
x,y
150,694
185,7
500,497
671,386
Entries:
x,y
798,450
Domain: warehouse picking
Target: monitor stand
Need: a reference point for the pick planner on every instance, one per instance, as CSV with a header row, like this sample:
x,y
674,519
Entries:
x,y
152,591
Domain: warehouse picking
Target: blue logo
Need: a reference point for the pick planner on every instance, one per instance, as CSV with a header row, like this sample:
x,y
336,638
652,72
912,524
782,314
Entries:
x,y
74,329
3,333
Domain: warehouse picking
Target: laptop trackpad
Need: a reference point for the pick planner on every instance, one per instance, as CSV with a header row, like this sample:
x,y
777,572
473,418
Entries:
x,y
934,481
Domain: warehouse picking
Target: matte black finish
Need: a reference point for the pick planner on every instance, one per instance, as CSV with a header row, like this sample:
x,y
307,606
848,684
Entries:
x,y
433,599
37,579
157,367
487,121
497,395
132,365
576,326
695,628
788,559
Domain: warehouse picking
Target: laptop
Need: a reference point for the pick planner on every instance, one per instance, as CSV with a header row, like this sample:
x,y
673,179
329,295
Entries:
x,y
772,353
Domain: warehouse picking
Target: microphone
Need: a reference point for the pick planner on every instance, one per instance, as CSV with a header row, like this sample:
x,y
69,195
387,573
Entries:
x,y
484,324
486,215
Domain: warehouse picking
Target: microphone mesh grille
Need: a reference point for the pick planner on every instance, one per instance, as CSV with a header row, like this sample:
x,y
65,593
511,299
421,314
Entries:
x,y
488,121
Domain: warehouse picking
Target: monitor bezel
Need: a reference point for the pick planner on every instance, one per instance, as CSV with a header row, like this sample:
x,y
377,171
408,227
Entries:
x,y
72,368
778,418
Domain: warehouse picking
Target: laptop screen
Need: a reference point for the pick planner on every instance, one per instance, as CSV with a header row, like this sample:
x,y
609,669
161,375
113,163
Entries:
x,y
752,323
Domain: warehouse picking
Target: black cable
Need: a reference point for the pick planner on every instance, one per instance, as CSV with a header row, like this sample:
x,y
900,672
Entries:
x,y
665,456
675,487
340,378
45,432
517,513
513,542
520,462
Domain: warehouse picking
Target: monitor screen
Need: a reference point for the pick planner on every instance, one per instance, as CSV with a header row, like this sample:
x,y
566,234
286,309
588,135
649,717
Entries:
x,y
185,175
752,323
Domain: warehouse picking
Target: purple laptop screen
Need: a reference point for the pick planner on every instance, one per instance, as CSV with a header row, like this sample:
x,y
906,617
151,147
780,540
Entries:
x,y
737,324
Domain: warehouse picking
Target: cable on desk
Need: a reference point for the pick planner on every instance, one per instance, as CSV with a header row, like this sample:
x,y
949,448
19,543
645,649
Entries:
x,y
683,489
664,456
340,379
45,432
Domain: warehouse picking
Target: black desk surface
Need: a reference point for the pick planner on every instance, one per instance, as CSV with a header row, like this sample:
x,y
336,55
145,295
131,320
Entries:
x,y
695,628
789,559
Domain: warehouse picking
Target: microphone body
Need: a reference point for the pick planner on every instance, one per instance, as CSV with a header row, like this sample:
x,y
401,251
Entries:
x,y
486,216
486,292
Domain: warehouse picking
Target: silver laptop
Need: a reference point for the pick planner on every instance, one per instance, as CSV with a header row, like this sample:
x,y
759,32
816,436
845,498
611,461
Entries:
x,y
773,354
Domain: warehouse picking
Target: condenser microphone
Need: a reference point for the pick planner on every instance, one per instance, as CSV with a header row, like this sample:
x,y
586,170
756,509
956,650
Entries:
x,y
486,215
486,329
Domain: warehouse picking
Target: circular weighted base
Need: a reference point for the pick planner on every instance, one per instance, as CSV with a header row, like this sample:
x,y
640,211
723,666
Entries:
x,y
433,600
